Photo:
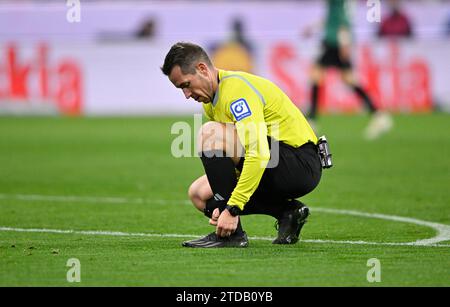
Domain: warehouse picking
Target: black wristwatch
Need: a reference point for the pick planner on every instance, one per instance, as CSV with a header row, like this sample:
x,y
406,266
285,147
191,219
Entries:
x,y
234,210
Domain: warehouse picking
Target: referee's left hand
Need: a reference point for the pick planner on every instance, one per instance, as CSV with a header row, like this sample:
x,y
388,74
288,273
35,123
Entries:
x,y
226,224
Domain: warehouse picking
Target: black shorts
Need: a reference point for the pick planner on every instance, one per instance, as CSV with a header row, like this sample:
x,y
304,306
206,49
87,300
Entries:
x,y
298,172
330,58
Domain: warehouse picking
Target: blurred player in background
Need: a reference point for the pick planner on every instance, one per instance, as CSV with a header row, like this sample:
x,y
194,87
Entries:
x,y
255,129
396,24
336,52
236,52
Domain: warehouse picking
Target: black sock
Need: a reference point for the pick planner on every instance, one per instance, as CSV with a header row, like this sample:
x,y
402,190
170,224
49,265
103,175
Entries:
x,y
314,101
221,173
363,95
211,205
239,229
222,178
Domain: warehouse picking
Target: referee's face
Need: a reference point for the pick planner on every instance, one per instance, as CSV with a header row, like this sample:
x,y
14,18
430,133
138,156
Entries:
x,y
197,86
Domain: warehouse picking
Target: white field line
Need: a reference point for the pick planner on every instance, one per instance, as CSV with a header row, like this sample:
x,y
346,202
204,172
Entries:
x,y
174,235
443,231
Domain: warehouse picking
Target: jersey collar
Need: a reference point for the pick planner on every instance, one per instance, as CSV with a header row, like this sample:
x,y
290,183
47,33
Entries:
x,y
216,94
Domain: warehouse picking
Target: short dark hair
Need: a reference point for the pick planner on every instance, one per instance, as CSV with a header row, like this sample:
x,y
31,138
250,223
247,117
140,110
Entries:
x,y
185,55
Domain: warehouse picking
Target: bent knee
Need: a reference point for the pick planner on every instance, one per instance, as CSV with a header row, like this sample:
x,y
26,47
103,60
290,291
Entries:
x,y
200,190
194,192
211,136
219,136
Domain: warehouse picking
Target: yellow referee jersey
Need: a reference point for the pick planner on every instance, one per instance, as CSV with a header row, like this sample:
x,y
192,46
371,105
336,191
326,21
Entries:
x,y
257,108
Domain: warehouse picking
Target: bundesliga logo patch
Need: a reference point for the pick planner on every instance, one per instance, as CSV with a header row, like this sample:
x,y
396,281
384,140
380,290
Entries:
x,y
240,109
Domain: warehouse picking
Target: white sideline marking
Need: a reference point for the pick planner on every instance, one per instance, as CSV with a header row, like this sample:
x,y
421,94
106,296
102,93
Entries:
x,y
443,231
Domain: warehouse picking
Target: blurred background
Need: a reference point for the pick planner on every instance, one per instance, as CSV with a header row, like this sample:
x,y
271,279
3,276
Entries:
x,y
88,136
103,57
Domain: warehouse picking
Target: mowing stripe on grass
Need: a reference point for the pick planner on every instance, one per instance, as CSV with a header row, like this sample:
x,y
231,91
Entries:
x,y
90,199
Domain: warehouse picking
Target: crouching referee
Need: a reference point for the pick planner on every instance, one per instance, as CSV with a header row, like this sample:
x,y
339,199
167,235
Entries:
x,y
258,151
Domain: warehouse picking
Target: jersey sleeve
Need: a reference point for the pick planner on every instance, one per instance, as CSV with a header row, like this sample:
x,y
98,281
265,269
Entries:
x,y
247,113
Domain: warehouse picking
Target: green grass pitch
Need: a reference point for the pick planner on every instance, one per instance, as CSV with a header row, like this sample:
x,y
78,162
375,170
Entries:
x,y
117,175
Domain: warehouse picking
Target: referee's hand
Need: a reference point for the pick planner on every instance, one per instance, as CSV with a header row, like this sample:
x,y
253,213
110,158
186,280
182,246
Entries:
x,y
226,224
215,217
